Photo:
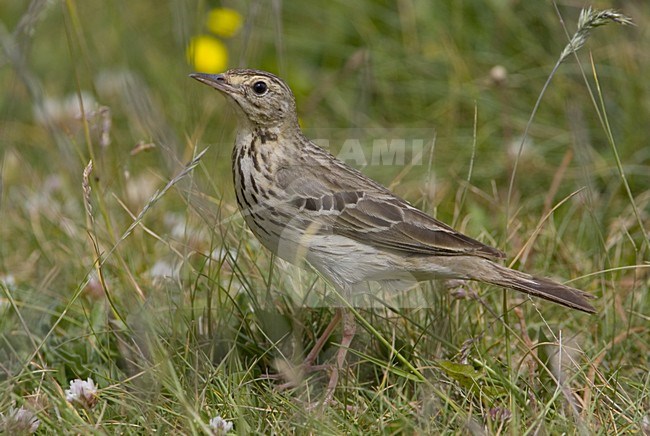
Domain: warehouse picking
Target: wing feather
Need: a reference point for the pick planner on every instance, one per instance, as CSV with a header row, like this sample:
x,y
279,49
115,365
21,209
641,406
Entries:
x,y
361,209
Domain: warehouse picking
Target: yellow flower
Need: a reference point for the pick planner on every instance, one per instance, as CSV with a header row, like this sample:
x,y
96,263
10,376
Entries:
x,y
224,22
207,54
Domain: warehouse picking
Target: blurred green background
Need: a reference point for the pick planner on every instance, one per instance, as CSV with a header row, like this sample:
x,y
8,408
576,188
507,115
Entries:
x,y
467,71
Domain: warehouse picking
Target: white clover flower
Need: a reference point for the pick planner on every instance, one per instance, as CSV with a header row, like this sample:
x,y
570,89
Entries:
x,y
18,421
220,426
82,392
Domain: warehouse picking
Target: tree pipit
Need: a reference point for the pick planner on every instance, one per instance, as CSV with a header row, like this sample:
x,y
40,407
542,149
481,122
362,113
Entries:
x,y
305,205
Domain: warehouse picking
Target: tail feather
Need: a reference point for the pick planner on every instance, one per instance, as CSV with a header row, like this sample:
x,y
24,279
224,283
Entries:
x,y
540,287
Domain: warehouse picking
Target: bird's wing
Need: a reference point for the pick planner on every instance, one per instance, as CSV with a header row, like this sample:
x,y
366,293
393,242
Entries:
x,y
394,224
370,214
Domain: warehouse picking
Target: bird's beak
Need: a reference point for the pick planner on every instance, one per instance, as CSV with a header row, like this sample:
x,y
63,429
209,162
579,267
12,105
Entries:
x,y
217,81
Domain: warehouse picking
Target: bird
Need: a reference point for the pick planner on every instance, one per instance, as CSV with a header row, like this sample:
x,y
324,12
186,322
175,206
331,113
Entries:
x,y
310,208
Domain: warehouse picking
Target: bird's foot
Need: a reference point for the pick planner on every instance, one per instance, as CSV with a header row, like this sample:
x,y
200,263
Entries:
x,y
295,375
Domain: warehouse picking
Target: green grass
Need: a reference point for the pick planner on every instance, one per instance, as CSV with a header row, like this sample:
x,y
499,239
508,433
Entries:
x,y
144,277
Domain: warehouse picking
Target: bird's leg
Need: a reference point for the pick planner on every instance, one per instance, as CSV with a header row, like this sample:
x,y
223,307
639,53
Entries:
x,y
318,346
308,364
349,329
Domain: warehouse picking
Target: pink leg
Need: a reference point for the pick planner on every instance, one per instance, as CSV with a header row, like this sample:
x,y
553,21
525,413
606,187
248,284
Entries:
x,y
318,346
349,329
308,364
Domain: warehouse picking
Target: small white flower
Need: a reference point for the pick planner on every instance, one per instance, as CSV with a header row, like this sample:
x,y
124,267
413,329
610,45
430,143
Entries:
x,y
163,270
220,426
8,281
82,392
18,421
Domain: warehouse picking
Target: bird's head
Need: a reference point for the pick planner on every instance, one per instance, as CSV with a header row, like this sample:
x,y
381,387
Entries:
x,y
261,98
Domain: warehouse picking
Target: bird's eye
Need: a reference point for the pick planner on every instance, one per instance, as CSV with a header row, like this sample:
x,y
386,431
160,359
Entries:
x,y
259,88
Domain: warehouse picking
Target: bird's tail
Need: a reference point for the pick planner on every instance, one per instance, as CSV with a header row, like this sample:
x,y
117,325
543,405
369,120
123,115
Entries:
x,y
537,286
